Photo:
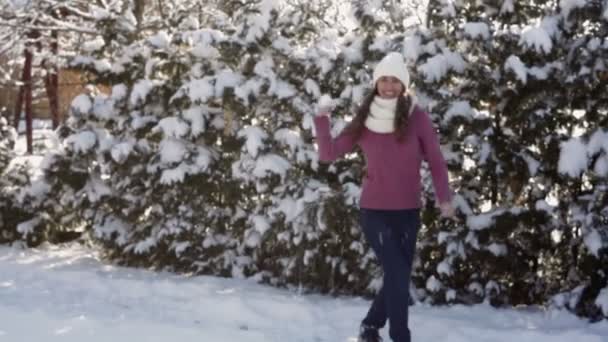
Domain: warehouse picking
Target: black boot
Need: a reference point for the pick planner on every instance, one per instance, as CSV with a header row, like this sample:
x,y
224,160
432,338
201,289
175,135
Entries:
x,y
369,334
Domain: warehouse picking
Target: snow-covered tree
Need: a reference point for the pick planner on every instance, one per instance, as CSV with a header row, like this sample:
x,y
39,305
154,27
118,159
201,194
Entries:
x,y
37,36
581,225
202,158
199,156
7,142
13,176
504,79
176,152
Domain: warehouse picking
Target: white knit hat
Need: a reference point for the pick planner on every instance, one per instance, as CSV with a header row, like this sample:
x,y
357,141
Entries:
x,y
392,65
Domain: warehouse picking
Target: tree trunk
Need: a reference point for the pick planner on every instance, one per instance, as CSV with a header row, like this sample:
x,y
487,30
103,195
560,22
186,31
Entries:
x,y
495,145
160,9
27,90
138,11
19,103
51,84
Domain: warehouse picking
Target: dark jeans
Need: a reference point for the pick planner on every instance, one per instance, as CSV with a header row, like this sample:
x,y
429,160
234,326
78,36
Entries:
x,y
392,236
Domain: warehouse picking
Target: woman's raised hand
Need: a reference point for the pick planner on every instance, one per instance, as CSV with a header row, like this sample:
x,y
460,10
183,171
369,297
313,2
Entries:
x,y
325,105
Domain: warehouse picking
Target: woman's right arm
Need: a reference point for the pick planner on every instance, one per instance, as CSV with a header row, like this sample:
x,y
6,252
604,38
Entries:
x,y
331,149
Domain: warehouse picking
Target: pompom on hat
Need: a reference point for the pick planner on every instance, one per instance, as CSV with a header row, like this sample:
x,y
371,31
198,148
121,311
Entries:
x,y
392,65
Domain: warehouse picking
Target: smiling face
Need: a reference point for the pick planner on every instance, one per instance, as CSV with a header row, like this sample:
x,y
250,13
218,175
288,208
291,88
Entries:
x,y
389,87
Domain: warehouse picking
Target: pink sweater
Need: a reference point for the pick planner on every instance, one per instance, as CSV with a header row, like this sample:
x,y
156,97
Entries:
x,y
393,169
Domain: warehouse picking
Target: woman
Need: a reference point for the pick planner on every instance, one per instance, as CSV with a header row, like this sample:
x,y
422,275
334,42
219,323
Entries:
x,y
395,136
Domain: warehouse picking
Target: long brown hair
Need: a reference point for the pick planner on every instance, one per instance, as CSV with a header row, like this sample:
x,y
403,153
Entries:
x,y
402,111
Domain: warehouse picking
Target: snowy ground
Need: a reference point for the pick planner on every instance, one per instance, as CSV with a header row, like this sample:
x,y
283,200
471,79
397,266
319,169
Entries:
x,y
53,294
67,295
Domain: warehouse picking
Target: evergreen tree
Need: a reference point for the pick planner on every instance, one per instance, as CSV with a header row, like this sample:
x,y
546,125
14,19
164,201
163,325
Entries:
x,y
201,158
8,136
503,89
7,142
192,155
13,176
581,226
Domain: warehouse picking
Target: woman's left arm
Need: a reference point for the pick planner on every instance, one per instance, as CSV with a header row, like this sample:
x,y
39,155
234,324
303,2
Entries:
x,y
432,154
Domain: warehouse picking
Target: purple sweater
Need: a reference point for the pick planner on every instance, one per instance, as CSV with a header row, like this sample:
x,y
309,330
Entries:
x,y
393,168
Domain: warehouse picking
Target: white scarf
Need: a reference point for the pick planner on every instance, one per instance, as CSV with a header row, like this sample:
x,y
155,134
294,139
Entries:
x,y
381,118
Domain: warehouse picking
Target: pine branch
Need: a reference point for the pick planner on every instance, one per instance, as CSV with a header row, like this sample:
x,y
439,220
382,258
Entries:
x,y
33,27
9,45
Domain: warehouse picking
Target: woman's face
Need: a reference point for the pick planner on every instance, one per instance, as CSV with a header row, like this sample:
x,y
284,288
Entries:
x,y
389,87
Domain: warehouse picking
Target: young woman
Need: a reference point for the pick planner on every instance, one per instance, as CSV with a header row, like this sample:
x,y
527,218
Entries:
x,y
395,136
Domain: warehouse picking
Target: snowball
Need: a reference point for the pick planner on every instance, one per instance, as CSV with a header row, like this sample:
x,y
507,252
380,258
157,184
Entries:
x,y
326,103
